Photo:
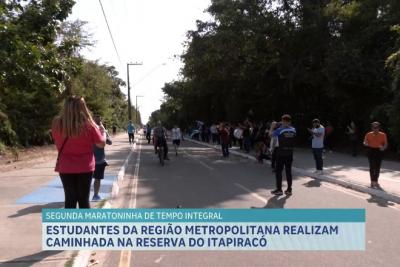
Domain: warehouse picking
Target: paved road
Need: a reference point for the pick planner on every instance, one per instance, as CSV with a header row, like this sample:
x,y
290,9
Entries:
x,y
23,195
200,178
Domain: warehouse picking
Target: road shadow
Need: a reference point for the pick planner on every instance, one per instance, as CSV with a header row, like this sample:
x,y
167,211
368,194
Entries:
x,y
313,183
36,209
31,259
276,202
379,201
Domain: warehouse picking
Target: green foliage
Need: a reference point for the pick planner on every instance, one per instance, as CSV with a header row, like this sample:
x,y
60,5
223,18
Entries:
x,y
100,86
333,59
40,65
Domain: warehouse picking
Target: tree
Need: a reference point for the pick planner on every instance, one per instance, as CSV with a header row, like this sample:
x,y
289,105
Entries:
x,y
309,58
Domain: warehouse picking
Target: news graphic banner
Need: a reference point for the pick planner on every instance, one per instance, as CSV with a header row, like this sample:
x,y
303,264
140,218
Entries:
x,y
203,229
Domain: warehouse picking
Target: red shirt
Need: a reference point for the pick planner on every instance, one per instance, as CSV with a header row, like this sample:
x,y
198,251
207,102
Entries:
x,y
224,134
77,155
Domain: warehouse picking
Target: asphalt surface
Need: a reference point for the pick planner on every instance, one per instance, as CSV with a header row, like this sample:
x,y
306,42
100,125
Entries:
x,y
20,221
200,178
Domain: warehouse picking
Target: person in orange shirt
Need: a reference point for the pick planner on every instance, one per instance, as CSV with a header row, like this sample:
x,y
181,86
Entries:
x,y
376,141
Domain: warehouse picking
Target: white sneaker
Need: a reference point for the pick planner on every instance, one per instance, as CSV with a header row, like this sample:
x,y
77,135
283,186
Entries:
x,y
320,172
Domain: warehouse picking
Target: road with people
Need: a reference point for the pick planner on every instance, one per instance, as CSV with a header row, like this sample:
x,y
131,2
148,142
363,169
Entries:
x,y
199,177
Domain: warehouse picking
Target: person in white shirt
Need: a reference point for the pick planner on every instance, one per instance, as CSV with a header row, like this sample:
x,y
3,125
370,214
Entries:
x,y
317,144
214,133
176,136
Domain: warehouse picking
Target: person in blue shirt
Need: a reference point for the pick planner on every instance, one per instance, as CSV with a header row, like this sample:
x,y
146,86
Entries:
x,y
285,135
148,133
131,131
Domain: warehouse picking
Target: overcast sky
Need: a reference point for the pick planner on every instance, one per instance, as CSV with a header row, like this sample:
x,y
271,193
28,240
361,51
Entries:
x,y
145,31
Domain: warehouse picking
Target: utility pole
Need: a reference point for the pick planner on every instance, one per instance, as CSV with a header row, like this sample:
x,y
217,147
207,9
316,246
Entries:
x,y
137,109
129,87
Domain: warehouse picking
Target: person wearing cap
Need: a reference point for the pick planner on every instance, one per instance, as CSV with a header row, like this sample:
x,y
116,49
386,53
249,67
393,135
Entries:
x,y
285,135
317,144
376,142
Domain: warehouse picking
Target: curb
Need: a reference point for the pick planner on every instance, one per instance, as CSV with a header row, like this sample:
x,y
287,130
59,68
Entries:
x,y
390,196
83,256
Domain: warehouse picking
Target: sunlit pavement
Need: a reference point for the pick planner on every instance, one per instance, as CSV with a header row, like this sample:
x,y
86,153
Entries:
x,y
199,177
23,195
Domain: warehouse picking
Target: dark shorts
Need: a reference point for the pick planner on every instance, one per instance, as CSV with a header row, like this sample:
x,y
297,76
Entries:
x,y
99,171
176,142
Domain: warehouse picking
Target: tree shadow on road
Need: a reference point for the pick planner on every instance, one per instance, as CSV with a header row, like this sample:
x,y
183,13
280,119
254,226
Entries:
x,y
36,209
31,259
380,201
313,183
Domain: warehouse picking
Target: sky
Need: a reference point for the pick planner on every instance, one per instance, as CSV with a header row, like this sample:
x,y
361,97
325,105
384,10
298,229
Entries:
x,y
147,31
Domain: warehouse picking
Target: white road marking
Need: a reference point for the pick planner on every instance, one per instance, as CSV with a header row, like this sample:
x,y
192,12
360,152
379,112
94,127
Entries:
x,y
255,195
159,259
125,258
135,180
199,161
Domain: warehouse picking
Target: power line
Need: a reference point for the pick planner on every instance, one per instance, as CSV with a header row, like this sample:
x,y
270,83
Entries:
x,y
109,31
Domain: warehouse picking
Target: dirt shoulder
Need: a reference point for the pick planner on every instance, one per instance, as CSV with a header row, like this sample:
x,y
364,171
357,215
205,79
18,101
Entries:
x,y
27,157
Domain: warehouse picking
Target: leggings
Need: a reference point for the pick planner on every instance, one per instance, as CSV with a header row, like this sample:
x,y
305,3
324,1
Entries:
x,y
76,189
375,159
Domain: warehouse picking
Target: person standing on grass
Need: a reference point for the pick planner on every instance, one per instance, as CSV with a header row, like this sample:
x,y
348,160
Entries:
x,y
317,144
131,132
224,136
286,135
100,158
74,133
376,142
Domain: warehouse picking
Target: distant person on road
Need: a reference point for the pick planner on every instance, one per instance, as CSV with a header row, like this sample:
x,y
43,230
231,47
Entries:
x,y
246,136
273,145
160,139
214,133
232,138
376,141
286,135
101,162
114,129
352,132
148,133
329,136
131,132
75,133
224,139
317,144
176,136
238,133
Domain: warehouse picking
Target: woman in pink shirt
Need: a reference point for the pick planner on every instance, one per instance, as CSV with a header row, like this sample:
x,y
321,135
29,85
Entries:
x,y
75,133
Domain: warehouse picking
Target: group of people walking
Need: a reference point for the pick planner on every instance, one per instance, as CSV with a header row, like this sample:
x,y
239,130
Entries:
x,y
277,141
80,140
